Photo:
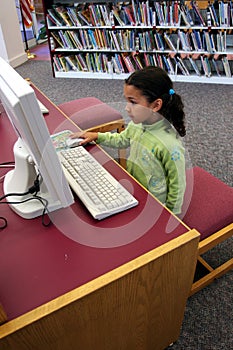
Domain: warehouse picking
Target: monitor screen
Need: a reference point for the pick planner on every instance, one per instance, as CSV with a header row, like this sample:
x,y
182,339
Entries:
x,y
35,156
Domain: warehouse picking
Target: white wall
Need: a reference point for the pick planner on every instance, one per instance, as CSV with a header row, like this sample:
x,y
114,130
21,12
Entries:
x,y
11,43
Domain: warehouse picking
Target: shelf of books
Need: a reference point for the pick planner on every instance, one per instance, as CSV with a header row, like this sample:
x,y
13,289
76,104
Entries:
x,y
191,40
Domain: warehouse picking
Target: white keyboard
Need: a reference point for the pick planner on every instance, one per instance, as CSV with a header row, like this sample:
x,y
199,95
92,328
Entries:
x,y
100,192
44,110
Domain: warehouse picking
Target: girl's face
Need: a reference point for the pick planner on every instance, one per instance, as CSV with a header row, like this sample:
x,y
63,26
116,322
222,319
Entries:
x,y
138,108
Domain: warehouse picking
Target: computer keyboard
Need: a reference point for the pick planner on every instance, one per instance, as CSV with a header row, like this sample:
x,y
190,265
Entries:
x,y
44,110
100,192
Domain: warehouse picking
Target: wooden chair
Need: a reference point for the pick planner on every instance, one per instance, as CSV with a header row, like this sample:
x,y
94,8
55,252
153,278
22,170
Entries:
x,y
91,114
208,207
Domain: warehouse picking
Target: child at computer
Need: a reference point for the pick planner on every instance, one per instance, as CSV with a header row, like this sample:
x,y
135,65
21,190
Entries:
x,y
157,156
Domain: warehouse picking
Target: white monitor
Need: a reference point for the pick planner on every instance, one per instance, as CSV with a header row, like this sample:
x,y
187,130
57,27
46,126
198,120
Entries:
x,y
35,155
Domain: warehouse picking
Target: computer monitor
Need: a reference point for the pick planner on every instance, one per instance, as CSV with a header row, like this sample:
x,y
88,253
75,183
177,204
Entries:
x,y
35,155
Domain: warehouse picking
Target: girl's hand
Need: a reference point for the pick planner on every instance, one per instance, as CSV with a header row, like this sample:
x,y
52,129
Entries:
x,y
87,136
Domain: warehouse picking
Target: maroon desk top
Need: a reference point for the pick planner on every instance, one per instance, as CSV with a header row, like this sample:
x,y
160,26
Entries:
x,y
38,264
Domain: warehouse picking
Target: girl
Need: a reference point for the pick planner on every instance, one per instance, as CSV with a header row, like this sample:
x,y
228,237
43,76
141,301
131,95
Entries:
x,y
156,157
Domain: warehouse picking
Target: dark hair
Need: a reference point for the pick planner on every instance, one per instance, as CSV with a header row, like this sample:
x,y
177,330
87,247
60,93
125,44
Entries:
x,y
154,83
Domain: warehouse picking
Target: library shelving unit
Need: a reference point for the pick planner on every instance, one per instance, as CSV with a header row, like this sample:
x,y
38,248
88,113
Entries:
x,y
191,40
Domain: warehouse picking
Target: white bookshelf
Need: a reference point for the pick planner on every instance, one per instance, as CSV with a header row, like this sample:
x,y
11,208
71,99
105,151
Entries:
x,y
102,49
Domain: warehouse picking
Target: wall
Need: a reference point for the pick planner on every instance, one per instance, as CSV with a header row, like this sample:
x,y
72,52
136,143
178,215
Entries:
x,y
11,43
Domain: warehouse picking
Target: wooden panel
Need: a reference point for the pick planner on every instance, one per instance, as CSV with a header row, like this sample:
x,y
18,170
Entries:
x,y
139,305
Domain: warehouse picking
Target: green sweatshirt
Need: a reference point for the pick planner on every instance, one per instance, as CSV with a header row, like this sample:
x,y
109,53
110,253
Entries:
x,y
156,159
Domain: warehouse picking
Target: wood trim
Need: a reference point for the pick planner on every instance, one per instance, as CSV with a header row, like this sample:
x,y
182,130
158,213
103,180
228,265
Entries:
x,y
214,239
205,264
210,277
118,125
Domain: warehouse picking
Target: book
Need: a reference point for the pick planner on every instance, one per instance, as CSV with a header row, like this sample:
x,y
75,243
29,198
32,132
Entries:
x,y
194,66
206,66
209,46
105,39
128,63
184,40
64,63
171,66
182,64
137,60
116,15
57,39
185,15
159,13
216,67
51,21
57,64
76,40
196,37
63,39
197,14
159,41
69,39
224,18
73,16
213,15
53,16
105,14
135,12
84,18
92,39
71,62
95,20
130,15
169,42
114,41
226,67
99,38
117,64
62,12
81,62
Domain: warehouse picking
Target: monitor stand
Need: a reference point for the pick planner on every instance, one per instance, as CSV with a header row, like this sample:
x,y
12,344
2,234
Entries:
x,y
20,180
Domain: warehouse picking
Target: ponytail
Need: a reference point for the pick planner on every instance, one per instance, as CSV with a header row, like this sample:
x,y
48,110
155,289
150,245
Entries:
x,y
173,110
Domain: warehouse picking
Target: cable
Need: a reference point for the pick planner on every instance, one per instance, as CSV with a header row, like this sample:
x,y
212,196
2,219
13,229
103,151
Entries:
x,y
32,190
42,200
45,210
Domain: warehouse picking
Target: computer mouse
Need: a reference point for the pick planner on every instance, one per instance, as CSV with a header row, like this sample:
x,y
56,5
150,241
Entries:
x,y
73,142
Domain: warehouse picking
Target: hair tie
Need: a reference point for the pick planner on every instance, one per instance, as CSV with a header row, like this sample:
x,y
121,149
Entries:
x,y
171,92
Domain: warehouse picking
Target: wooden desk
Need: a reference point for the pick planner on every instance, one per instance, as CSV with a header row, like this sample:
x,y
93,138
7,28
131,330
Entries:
x,y
119,284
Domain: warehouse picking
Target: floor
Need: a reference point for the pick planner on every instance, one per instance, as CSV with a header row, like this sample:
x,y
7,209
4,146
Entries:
x,y
41,52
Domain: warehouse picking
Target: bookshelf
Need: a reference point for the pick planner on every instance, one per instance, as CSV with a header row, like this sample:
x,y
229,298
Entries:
x,y
192,40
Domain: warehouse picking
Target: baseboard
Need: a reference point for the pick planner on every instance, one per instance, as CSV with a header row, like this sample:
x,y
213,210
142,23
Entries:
x,y
18,60
31,43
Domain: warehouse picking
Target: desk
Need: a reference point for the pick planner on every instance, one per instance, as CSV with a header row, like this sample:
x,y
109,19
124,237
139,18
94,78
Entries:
x,y
121,283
